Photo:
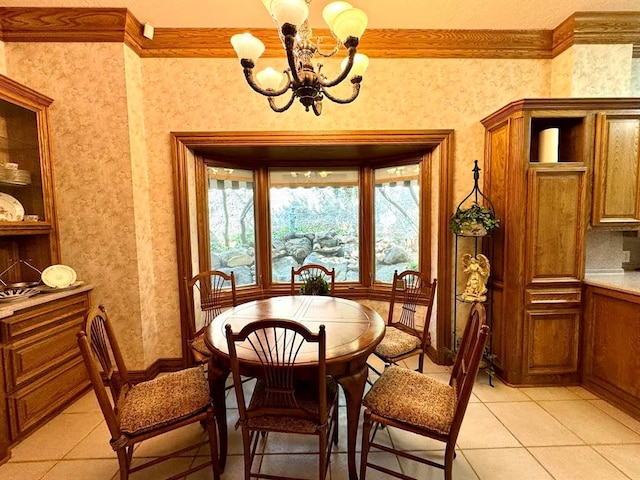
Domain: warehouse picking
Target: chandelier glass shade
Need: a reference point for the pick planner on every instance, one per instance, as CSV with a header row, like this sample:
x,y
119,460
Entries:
x,y
301,79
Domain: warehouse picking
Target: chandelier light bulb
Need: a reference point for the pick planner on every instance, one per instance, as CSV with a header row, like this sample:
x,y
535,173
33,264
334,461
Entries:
x,y
360,65
332,10
270,79
349,23
247,46
294,12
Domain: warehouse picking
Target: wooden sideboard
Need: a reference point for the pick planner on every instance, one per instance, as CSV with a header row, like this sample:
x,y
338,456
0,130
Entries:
x,y
42,370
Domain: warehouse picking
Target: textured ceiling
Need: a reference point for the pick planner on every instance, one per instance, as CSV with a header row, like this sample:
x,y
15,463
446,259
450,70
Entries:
x,y
421,14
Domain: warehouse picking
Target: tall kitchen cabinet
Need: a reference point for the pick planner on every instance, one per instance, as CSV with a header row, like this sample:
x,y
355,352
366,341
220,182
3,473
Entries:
x,y
544,209
538,249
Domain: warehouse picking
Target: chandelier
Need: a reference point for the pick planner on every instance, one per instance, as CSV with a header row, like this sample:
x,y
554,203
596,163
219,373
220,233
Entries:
x,y
309,85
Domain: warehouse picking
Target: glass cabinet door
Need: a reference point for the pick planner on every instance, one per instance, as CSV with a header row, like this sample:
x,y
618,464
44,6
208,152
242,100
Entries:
x,y
21,194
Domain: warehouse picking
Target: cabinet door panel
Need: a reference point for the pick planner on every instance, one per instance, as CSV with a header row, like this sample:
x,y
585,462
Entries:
x,y
612,343
496,184
552,338
616,186
555,205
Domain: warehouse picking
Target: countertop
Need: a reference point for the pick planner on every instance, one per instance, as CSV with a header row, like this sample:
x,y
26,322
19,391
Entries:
x,y
9,308
628,282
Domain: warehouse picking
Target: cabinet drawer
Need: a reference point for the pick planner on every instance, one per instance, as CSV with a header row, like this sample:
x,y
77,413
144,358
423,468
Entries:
x,y
30,405
43,317
30,358
539,297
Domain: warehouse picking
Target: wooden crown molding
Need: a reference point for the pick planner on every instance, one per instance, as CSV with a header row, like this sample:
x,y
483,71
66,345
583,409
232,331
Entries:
x,y
70,25
584,28
26,24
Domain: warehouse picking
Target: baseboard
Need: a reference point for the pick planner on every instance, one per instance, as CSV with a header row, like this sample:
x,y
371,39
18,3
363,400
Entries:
x,y
161,365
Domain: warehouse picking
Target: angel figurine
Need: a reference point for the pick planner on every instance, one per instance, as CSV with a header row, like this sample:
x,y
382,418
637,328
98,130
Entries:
x,y
478,269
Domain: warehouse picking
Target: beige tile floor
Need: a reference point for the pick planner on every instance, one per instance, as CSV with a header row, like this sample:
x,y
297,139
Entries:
x,y
562,433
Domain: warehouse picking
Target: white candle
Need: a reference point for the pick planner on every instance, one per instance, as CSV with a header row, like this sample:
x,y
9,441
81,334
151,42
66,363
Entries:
x,y
548,145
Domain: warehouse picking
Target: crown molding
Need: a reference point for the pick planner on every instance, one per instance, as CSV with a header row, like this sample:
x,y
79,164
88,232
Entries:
x,y
70,25
26,24
603,28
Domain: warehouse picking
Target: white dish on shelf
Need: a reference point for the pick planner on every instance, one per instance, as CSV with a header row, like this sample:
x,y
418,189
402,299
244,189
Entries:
x,y
48,289
11,210
58,276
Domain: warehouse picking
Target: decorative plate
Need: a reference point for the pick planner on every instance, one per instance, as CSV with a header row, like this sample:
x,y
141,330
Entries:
x,y
48,289
11,210
15,294
58,276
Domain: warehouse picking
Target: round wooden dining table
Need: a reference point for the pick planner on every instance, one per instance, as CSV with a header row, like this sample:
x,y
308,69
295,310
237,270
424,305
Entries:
x,y
353,331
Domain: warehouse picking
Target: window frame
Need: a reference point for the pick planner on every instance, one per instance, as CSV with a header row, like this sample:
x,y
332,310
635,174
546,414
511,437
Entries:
x,y
263,263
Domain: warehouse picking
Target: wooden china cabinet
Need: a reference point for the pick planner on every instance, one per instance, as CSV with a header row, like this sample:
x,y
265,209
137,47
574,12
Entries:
x,y
41,370
544,207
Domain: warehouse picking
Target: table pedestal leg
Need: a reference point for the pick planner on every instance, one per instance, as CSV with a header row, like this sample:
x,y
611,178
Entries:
x,y
353,386
217,380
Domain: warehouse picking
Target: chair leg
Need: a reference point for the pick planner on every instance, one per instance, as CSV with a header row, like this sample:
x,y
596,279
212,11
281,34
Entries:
x,y
123,461
366,431
322,454
449,455
246,445
213,444
335,420
421,362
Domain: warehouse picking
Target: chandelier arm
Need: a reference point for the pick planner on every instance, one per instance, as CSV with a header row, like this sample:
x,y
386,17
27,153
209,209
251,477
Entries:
x,y
275,108
289,44
345,72
354,93
248,75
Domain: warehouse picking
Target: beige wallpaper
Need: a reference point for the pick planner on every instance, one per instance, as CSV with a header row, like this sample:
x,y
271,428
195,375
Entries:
x,y
635,77
140,183
111,121
562,74
3,62
602,70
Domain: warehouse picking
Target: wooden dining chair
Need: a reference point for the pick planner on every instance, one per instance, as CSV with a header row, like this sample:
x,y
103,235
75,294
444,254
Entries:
x,y
403,337
414,402
313,279
208,292
134,413
287,398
